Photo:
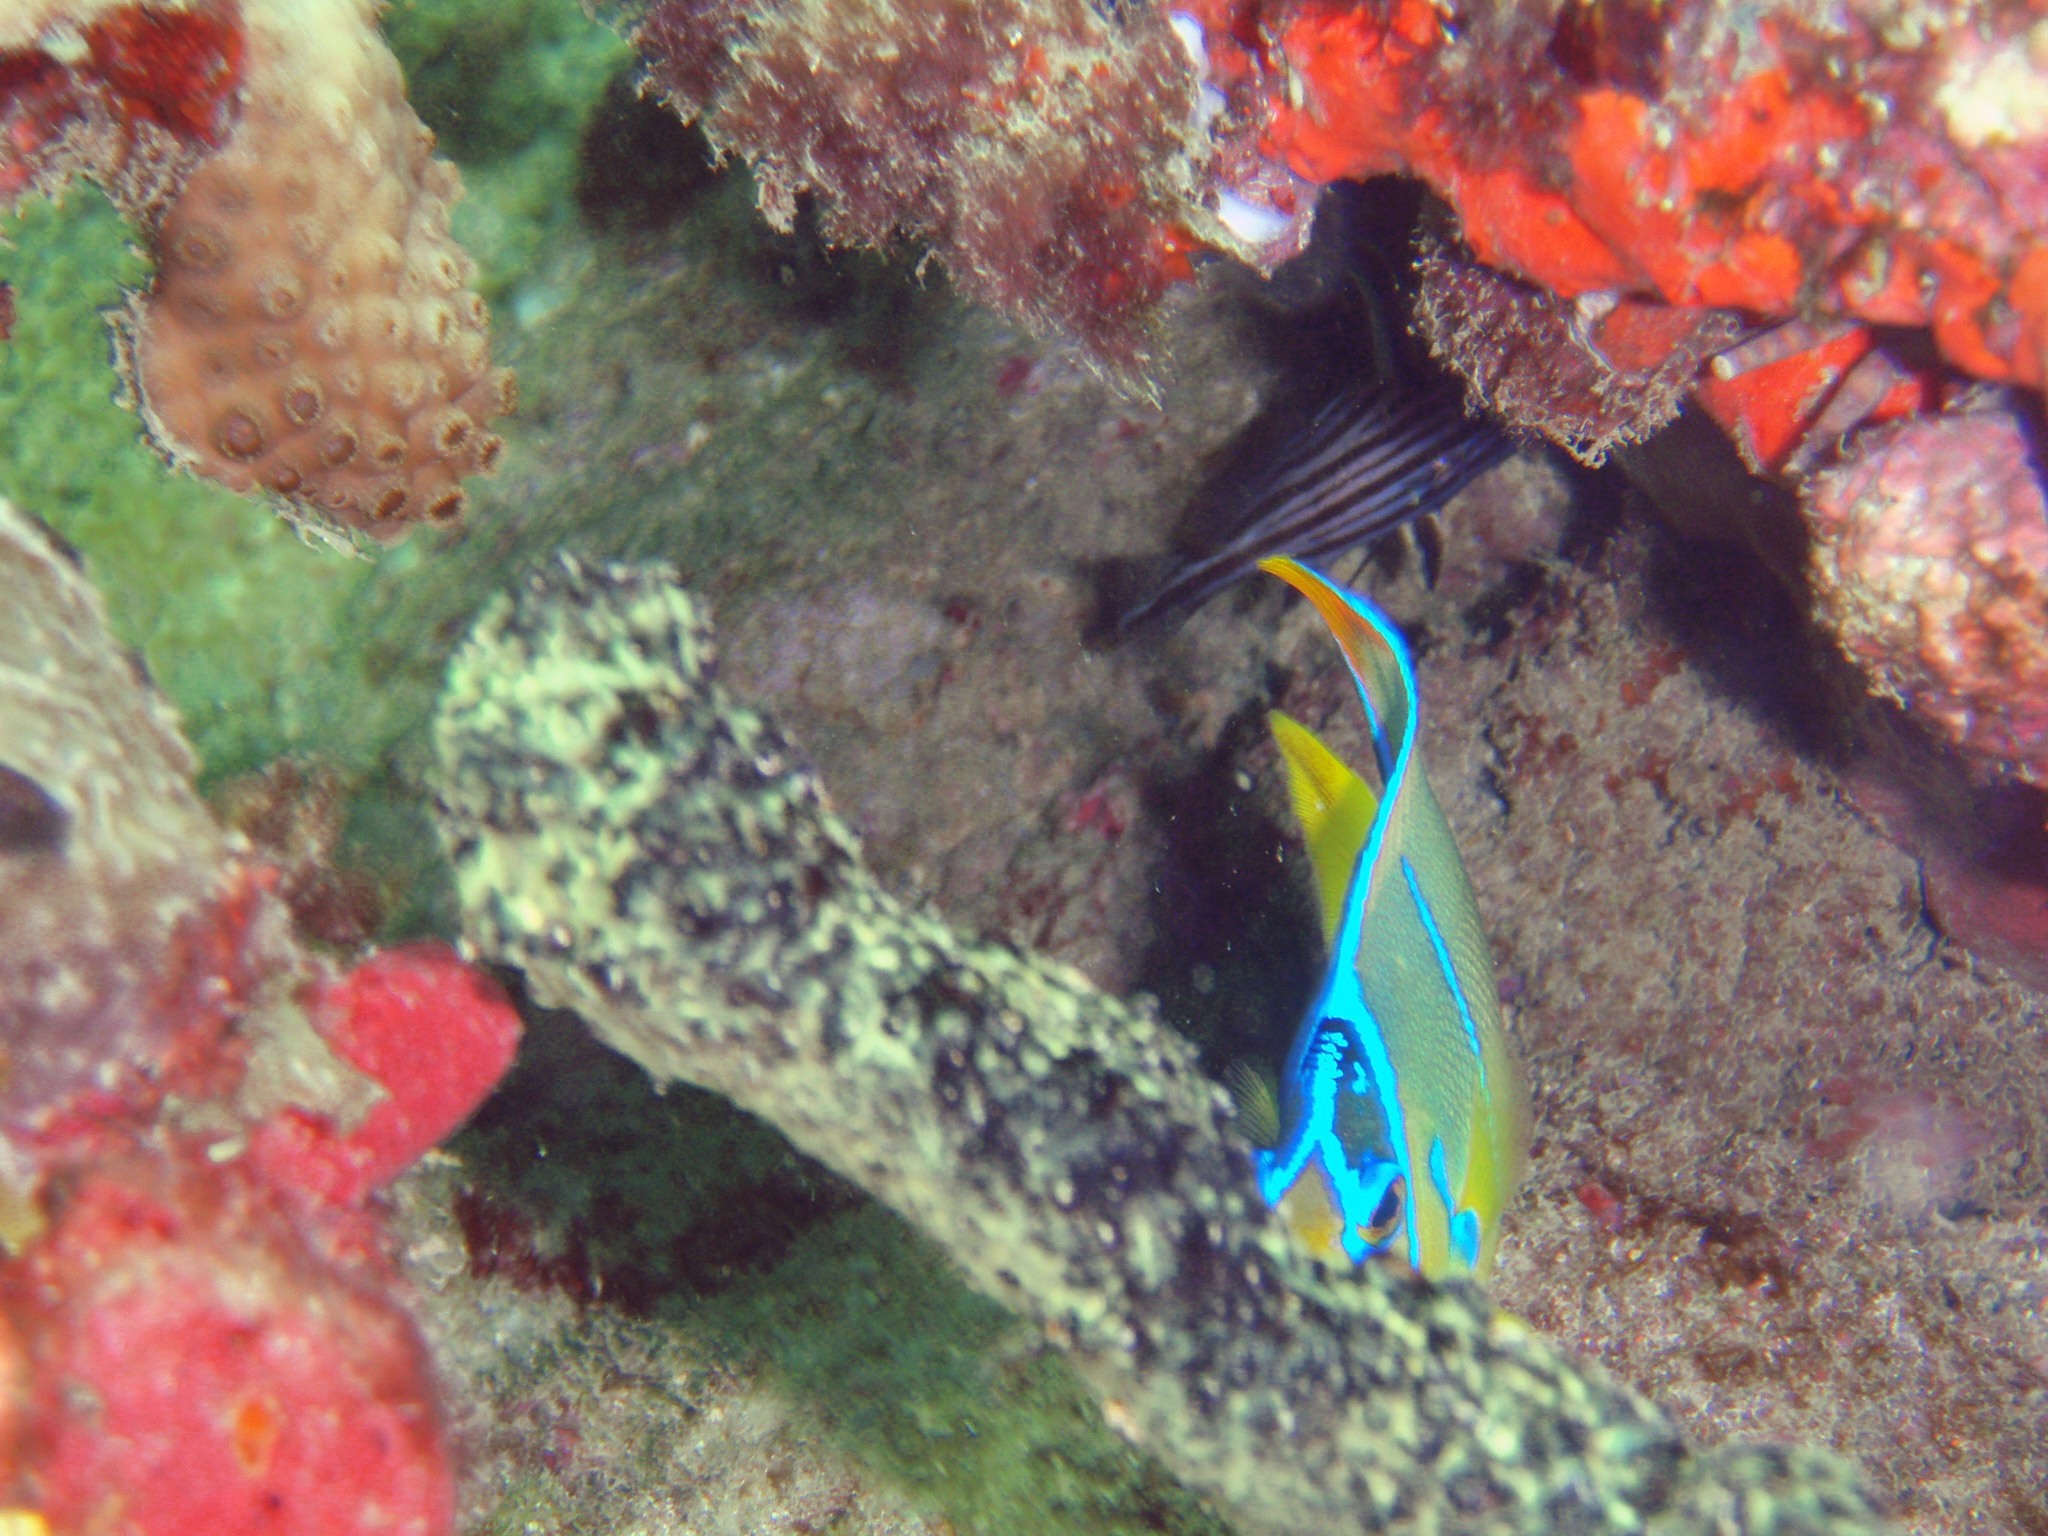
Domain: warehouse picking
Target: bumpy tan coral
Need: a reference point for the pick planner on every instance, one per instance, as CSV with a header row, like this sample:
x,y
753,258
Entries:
x,y
1930,563
311,332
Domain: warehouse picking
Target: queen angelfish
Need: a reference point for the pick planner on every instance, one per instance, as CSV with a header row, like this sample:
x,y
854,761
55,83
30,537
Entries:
x,y
1403,1118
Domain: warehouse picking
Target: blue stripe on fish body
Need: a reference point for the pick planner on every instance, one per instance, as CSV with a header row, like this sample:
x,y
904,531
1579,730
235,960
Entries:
x,y
1443,960
1431,1108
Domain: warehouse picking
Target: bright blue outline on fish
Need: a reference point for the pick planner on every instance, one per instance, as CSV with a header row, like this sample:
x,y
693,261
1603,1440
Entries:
x,y
1314,1065
1317,1134
1356,1191
1463,1224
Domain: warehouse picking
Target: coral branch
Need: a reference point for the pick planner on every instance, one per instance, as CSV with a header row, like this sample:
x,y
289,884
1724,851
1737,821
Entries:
x,y
654,857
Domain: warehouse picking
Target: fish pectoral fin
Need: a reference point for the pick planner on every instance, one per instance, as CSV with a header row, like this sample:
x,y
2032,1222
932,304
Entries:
x,y
1257,1101
1334,806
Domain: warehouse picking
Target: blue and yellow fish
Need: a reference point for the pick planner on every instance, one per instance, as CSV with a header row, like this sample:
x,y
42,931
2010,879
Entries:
x,y
1402,1120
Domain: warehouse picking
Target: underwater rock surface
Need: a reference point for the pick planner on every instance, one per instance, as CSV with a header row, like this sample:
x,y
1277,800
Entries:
x,y
652,855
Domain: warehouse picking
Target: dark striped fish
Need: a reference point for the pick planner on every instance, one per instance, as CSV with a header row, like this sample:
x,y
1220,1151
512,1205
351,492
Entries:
x,y
1377,456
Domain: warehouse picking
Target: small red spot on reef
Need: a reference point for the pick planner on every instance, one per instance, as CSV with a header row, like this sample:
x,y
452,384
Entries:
x,y
1664,659
1601,1202
1014,374
1098,809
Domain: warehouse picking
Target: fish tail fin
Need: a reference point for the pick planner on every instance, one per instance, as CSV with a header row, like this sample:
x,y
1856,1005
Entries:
x,y
1377,655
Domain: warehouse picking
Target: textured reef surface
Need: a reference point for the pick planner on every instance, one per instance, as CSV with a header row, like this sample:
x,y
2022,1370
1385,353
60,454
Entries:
x,y
1772,950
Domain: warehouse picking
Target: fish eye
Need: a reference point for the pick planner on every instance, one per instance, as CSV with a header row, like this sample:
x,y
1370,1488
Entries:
x,y
1386,1216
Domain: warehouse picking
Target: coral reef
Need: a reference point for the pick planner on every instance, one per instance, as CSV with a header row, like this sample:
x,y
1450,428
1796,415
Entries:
x,y
1646,183
1042,151
1730,202
310,333
1879,169
651,855
200,1325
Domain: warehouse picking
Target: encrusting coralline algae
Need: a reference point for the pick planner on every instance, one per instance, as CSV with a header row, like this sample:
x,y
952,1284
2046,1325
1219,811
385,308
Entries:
x,y
653,856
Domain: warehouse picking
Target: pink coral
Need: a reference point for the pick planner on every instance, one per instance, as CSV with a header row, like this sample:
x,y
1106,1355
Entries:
x,y
200,1327
200,1365
432,1032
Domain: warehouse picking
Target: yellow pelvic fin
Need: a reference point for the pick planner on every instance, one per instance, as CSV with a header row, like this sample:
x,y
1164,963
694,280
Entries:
x,y
1334,806
1313,1217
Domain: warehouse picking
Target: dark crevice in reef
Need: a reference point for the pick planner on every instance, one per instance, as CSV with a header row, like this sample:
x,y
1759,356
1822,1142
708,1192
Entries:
x,y
1238,950
587,1181
638,167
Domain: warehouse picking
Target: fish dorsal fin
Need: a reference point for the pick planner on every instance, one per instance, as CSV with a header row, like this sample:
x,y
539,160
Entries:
x,y
1377,657
1334,806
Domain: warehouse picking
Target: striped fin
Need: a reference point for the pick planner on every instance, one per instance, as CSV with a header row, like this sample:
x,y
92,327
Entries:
x,y
1377,456
1256,1099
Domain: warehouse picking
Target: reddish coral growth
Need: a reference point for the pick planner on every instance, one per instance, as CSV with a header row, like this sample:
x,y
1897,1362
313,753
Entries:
x,y
199,1367
200,1328
1694,154
176,69
68,100
212,1344
1688,157
1038,149
1731,200
433,1033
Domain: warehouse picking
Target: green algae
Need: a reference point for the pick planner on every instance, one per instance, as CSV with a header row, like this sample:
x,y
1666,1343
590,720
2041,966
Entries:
x,y
942,1390
510,89
683,1207
238,617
